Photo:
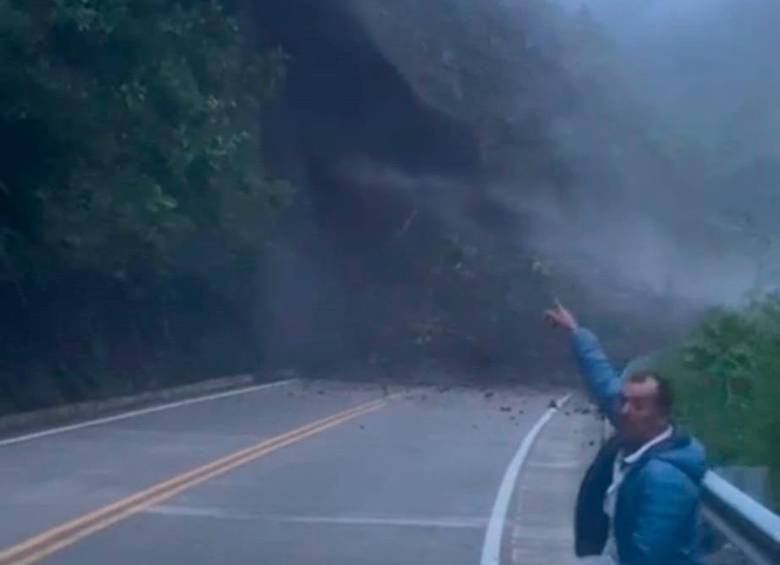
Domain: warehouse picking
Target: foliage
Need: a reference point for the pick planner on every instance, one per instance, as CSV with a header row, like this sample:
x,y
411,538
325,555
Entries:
x,y
728,378
127,127
131,166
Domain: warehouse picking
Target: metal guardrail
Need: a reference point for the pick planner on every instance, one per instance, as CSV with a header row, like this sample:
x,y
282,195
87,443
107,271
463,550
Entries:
x,y
751,527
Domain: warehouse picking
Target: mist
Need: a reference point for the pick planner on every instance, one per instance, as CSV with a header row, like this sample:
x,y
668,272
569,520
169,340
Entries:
x,y
680,193
425,178
456,178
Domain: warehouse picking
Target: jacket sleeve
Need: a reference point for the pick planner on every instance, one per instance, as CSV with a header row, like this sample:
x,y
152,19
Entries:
x,y
665,514
600,378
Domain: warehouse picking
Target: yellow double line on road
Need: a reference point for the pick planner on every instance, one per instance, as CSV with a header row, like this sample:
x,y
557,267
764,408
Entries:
x,y
38,547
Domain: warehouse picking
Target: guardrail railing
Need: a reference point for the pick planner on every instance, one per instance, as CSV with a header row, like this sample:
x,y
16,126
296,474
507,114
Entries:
x,y
748,525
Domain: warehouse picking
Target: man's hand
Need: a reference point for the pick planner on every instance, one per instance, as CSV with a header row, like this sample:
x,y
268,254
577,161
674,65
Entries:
x,y
561,317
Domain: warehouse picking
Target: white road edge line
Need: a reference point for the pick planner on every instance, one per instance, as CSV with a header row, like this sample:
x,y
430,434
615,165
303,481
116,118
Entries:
x,y
491,550
141,412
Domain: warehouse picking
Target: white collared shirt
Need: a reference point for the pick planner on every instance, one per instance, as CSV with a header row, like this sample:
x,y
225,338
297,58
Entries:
x,y
620,469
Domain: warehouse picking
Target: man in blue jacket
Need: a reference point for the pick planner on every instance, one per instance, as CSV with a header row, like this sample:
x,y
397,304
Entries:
x,y
638,503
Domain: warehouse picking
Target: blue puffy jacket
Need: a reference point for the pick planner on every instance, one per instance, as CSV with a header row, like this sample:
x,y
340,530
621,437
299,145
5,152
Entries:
x,y
656,515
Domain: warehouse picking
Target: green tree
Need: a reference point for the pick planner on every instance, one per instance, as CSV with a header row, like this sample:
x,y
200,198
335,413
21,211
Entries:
x,y
726,375
129,127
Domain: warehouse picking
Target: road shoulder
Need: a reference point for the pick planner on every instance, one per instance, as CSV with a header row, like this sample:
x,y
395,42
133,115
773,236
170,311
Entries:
x,y
540,529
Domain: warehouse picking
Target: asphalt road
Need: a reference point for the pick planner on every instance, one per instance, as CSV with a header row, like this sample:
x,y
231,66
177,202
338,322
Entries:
x,y
406,478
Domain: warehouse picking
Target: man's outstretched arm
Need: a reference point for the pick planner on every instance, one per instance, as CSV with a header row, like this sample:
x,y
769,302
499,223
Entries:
x,y
600,378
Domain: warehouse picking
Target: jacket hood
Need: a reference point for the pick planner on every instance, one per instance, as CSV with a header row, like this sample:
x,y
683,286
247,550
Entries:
x,y
685,453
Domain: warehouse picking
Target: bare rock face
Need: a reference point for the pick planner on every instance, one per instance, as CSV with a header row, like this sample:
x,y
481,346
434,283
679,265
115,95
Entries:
x,y
417,133
478,62
457,56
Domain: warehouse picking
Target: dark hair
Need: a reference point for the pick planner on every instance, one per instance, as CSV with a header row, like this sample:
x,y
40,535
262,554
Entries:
x,y
665,399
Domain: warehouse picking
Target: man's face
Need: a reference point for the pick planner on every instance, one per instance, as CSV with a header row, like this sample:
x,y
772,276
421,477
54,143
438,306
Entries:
x,y
640,418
